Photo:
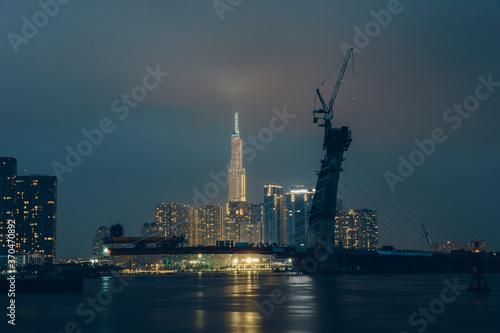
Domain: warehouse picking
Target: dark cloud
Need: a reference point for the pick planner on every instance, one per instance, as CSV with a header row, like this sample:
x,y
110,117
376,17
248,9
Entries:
x,y
264,55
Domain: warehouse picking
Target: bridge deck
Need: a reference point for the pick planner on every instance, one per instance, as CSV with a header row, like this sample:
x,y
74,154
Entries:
x,y
209,250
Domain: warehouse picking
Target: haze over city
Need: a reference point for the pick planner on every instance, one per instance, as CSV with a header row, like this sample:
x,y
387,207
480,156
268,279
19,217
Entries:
x,y
262,56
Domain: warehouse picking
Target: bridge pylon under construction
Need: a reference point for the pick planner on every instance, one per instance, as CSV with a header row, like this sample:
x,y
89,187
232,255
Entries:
x,y
321,229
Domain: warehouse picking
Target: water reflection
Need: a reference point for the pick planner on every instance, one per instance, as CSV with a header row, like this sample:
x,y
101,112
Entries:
x,y
244,315
199,319
301,303
105,283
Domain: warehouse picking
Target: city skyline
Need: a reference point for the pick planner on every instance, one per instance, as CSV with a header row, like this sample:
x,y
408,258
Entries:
x,y
170,144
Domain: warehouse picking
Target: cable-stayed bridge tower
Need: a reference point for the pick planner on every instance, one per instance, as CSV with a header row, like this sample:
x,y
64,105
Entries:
x,y
336,142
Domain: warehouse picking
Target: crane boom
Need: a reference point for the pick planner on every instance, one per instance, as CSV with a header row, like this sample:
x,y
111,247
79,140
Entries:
x,y
327,110
339,80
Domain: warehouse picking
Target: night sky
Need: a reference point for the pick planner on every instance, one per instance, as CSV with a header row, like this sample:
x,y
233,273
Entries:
x,y
263,55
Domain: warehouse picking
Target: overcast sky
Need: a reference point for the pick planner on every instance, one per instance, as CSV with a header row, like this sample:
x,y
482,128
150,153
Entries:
x,y
262,55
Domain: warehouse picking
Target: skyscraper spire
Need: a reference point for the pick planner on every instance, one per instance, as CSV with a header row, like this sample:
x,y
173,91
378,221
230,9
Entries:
x,y
237,178
236,129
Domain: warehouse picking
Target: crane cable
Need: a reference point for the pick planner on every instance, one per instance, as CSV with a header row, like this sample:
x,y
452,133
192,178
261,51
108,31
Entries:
x,y
352,73
322,83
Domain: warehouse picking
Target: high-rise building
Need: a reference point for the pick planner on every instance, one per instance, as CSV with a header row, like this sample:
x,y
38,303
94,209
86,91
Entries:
x,y
35,211
242,223
32,202
298,203
274,215
257,220
98,243
209,224
356,229
234,214
237,178
368,229
8,171
173,218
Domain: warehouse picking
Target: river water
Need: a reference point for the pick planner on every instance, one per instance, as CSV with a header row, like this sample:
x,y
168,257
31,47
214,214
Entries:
x,y
264,302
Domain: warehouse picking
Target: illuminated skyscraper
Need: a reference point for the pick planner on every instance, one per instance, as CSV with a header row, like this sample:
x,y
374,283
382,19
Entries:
x,y
173,218
8,171
298,203
35,211
274,215
31,201
356,229
209,224
237,179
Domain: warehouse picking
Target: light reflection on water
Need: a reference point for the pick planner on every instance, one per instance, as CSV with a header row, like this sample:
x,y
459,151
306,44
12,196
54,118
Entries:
x,y
234,303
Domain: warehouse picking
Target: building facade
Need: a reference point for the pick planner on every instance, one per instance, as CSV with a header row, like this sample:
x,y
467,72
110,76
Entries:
x,y
298,203
35,211
356,229
173,218
275,230
8,172
209,226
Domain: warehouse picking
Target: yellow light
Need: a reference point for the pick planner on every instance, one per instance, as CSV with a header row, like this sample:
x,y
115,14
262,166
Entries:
x,y
248,260
235,261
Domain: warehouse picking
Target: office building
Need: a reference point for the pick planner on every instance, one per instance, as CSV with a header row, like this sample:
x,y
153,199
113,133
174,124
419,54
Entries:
x,y
298,203
275,230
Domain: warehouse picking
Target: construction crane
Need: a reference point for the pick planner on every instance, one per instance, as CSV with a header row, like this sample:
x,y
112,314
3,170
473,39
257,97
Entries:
x,y
327,110
336,142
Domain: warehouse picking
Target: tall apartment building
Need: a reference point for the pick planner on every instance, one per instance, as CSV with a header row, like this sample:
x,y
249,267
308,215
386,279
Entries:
x,y
32,202
8,171
209,225
35,211
356,229
173,218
